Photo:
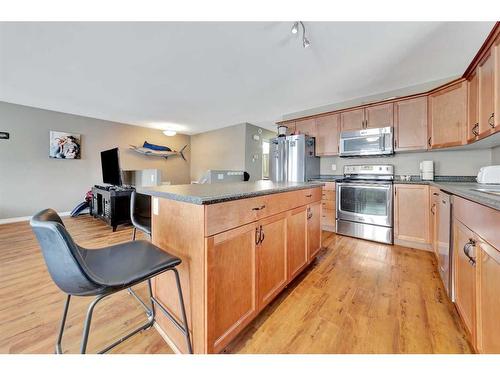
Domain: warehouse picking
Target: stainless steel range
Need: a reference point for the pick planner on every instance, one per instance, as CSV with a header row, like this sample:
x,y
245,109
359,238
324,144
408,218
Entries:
x,y
364,202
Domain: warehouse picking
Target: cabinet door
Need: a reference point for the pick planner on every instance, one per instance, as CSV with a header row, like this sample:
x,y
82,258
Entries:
x,y
486,95
434,201
271,258
465,274
488,298
448,116
306,127
296,241
231,284
473,106
352,120
410,118
313,229
496,51
379,116
411,213
327,135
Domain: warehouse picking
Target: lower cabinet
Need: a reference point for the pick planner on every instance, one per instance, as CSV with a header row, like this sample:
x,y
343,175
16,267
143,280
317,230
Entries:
x,y
488,298
232,289
464,254
249,265
297,241
412,215
271,258
313,229
434,202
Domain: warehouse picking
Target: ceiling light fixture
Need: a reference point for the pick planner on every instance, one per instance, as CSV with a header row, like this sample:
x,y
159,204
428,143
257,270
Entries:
x,y
295,29
169,133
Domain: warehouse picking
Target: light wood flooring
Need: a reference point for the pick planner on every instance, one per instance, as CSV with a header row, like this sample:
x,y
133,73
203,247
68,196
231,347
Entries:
x,y
357,297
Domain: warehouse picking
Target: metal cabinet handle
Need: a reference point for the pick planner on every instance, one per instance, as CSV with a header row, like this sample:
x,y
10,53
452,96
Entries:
x,y
474,129
433,207
467,247
491,120
257,236
429,141
309,214
435,193
259,208
262,235
309,195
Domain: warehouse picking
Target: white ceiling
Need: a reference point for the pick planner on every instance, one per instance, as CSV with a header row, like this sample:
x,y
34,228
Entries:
x,y
209,75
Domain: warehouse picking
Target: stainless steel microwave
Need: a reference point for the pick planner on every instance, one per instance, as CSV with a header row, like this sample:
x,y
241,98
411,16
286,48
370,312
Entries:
x,y
367,142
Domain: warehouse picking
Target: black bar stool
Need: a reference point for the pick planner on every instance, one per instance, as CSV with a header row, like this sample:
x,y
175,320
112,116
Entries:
x,y
102,272
140,213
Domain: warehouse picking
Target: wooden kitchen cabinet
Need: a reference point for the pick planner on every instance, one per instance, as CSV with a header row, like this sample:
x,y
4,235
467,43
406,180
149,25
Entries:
x,y
379,116
488,298
232,289
328,207
307,127
434,202
412,215
271,258
352,120
327,135
486,95
473,108
447,120
496,52
297,250
313,229
410,124
465,275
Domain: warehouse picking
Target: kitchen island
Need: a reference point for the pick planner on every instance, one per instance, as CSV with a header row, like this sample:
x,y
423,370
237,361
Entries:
x,y
241,244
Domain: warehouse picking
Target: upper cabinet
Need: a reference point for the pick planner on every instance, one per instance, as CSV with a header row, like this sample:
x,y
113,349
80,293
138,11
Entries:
x,y
352,120
473,106
410,124
307,126
379,116
496,52
486,94
448,116
327,135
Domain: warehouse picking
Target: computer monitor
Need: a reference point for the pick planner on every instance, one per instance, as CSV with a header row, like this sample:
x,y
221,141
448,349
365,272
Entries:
x,y
110,163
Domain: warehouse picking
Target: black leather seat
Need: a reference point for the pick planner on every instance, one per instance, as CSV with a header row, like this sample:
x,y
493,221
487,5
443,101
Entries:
x,y
140,213
82,272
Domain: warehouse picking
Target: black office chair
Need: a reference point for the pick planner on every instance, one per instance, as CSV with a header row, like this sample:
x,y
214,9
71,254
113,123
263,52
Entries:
x,y
102,272
140,213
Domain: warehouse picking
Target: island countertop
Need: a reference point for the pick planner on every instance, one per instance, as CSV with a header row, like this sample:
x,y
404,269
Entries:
x,y
223,192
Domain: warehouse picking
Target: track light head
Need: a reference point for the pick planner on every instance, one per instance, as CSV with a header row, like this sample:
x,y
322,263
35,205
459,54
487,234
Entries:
x,y
305,42
295,27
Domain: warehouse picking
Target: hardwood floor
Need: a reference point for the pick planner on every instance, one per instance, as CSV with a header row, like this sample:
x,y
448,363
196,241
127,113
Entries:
x,y
357,297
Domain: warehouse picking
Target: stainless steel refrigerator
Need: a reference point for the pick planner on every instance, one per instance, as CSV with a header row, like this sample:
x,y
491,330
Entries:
x,y
293,159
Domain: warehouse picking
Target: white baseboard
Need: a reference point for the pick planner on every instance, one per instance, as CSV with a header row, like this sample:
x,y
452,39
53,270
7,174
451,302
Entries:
x,y
26,218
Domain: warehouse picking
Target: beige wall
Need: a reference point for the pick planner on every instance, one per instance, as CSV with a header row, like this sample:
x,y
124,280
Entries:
x,y
30,181
232,147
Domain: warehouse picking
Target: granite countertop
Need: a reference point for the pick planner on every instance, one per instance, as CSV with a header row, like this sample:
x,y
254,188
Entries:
x,y
223,192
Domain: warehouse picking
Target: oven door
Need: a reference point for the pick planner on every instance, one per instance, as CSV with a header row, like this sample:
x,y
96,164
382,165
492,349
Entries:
x,y
369,203
366,142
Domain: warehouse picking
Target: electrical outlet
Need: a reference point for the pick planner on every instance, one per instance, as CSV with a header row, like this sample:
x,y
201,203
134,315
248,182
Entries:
x,y
220,176
334,167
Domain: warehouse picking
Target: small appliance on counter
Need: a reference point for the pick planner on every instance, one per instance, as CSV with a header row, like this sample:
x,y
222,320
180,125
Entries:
x,y
427,170
282,130
489,175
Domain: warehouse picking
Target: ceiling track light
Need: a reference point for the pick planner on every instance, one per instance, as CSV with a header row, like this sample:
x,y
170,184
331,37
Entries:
x,y
295,29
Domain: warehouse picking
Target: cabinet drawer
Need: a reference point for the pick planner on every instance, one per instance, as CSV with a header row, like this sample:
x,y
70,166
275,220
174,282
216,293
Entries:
x,y
329,186
328,205
223,216
328,195
327,217
483,220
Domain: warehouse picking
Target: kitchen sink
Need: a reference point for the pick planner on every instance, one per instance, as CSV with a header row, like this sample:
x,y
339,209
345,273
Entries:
x,y
489,191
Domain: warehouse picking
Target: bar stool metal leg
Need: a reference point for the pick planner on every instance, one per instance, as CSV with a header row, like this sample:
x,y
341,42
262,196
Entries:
x,y
183,311
88,320
63,323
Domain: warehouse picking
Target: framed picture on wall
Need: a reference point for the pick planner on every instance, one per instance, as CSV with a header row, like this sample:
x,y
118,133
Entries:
x,y
64,145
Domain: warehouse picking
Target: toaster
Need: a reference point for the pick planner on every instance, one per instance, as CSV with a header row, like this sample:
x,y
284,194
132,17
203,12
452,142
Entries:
x,y
489,175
